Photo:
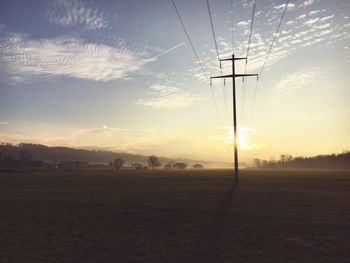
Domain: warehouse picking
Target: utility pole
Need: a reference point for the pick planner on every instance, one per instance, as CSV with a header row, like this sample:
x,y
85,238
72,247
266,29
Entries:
x,y
234,76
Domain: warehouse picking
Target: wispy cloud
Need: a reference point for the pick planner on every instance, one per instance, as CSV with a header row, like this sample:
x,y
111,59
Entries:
x,y
226,135
301,17
311,21
296,80
309,28
163,96
25,58
311,13
170,49
243,24
307,2
326,18
75,13
282,6
4,122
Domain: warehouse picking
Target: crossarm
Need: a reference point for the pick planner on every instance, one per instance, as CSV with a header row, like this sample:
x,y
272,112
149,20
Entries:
x,y
236,76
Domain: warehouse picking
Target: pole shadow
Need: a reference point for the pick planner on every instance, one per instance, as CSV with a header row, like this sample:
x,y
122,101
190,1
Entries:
x,y
206,247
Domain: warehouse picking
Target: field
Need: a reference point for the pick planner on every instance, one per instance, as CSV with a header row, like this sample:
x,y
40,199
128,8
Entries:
x,y
175,216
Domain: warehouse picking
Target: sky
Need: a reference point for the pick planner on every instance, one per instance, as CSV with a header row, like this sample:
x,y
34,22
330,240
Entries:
x,y
122,76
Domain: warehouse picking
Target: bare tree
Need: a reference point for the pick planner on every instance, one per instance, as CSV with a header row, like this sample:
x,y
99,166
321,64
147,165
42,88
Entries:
x,y
118,163
153,161
257,163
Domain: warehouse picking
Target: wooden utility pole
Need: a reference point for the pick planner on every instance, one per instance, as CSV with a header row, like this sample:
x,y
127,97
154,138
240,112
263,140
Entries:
x,y
234,76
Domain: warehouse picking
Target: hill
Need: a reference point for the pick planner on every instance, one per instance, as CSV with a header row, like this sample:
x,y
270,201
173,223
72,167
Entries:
x,y
60,154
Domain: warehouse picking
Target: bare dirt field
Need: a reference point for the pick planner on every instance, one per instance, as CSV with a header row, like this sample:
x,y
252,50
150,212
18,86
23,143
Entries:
x,y
175,216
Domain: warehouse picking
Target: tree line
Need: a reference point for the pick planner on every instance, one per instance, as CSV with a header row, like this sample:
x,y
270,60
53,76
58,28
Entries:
x,y
332,161
24,160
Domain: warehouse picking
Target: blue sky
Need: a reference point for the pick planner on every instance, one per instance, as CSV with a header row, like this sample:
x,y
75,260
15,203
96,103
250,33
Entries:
x,y
121,75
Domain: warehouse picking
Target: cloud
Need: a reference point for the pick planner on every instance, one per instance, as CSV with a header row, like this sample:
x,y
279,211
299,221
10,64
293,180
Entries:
x,y
326,18
311,13
295,35
307,2
298,79
311,21
117,139
75,13
25,58
244,134
243,24
282,6
4,122
323,26
162,96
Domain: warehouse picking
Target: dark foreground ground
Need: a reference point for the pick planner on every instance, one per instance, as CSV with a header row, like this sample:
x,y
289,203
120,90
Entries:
x,y
175,216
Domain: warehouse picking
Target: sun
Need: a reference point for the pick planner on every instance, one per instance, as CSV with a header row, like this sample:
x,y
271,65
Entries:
x,y
242,140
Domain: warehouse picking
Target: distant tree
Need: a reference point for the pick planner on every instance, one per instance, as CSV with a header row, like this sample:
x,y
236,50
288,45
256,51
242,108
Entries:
x,y
153,161
167,166
24,155
180,166
289,158
118,163
264,164
198,166
257,163
283,158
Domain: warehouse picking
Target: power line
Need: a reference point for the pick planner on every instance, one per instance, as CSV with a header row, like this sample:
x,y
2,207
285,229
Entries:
x,y
197,57
247,56
232,25
268,54
218,56
213,32
274,37
189,40
251,31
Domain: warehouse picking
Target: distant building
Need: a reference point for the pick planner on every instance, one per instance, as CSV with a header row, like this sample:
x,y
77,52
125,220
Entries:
x,y
137,166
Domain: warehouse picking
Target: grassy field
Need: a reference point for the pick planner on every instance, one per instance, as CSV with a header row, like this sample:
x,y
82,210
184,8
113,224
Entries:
x,y
175,216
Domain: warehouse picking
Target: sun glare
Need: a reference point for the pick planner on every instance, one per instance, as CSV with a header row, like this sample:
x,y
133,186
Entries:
x,y
242,139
